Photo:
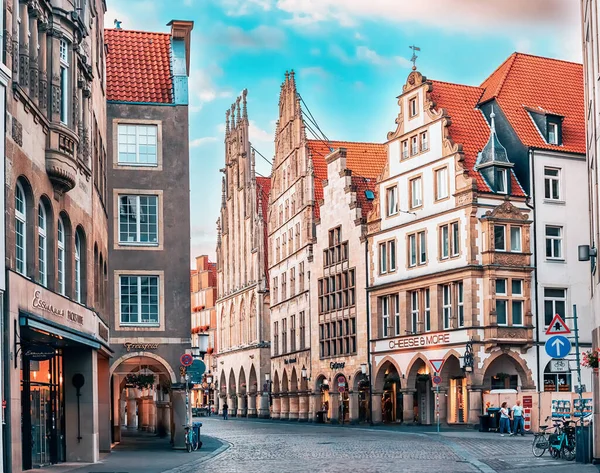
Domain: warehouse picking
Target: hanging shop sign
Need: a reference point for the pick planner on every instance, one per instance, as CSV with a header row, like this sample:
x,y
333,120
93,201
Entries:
x,y
140,346
39,352
337,365
42,304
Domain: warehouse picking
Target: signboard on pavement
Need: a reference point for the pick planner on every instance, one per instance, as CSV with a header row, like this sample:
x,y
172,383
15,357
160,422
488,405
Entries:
x,y
558,346
558,327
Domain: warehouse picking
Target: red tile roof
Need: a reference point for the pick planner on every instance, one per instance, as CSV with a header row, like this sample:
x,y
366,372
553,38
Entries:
x,y
468,125
366,160
138,66
263,187
524,81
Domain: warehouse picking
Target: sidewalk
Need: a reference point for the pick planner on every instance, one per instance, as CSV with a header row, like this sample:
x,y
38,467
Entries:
x,y
140,452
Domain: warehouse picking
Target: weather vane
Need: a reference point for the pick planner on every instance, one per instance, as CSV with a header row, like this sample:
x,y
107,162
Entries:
x,y
414,56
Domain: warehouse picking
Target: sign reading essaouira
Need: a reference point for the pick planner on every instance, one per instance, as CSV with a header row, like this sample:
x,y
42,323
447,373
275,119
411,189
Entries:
x,y
40,303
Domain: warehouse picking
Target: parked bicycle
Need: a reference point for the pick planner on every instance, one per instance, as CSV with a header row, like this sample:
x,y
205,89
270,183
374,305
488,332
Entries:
x,y
191,438
560,443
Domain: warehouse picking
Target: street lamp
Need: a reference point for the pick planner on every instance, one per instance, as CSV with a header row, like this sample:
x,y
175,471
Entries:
x,y
363,368
467,359
200,350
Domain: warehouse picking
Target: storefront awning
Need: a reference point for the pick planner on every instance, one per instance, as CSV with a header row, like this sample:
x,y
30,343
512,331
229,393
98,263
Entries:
x,y
51,332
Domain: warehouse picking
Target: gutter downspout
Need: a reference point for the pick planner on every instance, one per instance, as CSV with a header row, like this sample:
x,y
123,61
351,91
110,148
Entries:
x,y
535,272
368,331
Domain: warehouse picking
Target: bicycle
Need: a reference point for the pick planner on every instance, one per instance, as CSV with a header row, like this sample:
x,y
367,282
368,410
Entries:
x,y
560,443
541,441
191,439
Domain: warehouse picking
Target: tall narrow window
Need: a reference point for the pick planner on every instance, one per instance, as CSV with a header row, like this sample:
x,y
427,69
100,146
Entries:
x,y
275,338
414,146
441,183
412,248
446,305
284,336
501,181
77,267
302,331
42,246
552,133
138,219
445,241
517,305
392,200
392,254
293,333
515,239
427,311
414,311
552,183
554,242
405,149
501,304
385,316
460,304
60,257
499,237
20,229
455,239
416,193
382,258
64,82
424,141
412,105
396,302
422,248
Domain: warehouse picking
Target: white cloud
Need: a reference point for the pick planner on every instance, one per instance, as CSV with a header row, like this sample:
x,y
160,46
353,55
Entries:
x,y
203,89
358,36
139,15
244,7
260,38
365,54
314,71
202,141
315,52
258,135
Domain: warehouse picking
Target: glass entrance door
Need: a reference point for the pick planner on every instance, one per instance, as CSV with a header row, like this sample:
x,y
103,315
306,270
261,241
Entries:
x,y
41,424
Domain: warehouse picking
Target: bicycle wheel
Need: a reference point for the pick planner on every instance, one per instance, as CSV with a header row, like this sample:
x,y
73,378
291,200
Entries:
x,y
539,446
568,452
194,441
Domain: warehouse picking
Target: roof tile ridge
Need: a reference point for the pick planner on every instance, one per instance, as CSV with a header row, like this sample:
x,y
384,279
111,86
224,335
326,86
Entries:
x,y
512,59
121,31
574,63
456,84
346,141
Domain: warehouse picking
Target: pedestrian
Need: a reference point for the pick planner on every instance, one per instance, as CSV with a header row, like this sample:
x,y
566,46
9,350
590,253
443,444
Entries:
x,y
518,421
225,407
504,419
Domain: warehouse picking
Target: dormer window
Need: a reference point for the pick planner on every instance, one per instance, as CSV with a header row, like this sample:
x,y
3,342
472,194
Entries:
x,y
502,181
552,133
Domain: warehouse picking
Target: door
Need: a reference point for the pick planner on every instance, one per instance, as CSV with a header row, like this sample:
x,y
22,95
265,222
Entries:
x,y
41,425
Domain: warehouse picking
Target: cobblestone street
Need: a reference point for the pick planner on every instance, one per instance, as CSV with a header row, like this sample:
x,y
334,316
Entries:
x,y
270,446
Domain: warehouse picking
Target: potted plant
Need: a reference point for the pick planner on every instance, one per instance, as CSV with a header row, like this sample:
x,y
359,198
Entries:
x,y
140,381
590,359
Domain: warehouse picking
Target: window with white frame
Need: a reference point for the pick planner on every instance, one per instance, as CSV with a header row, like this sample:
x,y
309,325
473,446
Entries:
x,y
387,256
449,240
20,230
60,257
501,181
139,300
78,268
427,310
554,242
138,219
42,246
552,183
405,149
555,302
552,133
424,141
515,239
517,305
460,304
64,82
446,305
414,146
414,311
422,247
455,239
501,303
412,105
396,307
392,254
392,200
416,192
383,258
412,249
417,249
138,145
441,183
500,237
275,338
385,316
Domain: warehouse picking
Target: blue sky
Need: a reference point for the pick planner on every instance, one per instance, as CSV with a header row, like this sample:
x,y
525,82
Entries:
x,y
351,59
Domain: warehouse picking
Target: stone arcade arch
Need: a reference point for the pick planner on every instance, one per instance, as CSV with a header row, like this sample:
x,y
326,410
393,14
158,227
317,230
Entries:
x,y
242,394
505,369
232,394
276,399
294,401
388,386
418,383
285,400
454,392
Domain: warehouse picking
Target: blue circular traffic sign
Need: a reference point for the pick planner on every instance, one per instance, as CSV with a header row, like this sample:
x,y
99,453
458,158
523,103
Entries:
x,y
558,346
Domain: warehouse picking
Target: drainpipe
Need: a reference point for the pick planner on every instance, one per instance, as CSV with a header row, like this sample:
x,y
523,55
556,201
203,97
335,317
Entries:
x,y
368,331
535,275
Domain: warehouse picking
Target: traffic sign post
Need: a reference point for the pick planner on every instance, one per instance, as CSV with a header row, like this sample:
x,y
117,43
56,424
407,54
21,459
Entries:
x,y
186,359
558,326
558,346
437,399
195,371
437,379
437,365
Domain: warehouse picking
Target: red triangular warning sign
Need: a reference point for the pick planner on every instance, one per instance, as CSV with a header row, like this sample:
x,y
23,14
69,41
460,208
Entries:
x,y
558,326
437,365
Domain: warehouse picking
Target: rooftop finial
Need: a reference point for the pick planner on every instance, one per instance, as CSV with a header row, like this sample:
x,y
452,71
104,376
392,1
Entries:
x,y
117,24
292,76
233,116
492,124
237,104
287,76
414,56
245,109
223,199
227,122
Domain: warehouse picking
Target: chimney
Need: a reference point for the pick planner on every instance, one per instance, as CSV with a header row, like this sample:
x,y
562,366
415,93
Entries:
x,y
180,59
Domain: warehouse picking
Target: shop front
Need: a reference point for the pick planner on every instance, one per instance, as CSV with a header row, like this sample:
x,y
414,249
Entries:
x,y
59,379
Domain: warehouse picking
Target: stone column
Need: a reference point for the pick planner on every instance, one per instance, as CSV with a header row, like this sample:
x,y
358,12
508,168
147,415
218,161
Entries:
x,y
15,40
33,58
294,406
313,406
54,77
145,410
131,409
122,406
104,404
242,410
223,401
24,47
408,402
43,73
376,415
443,405
303,407
353,415
284,413
152,415
252,405
232,403
334,408
264,411
475,403
276,407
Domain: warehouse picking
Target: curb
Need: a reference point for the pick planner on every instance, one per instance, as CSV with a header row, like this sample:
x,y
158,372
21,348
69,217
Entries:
x,y
190,467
